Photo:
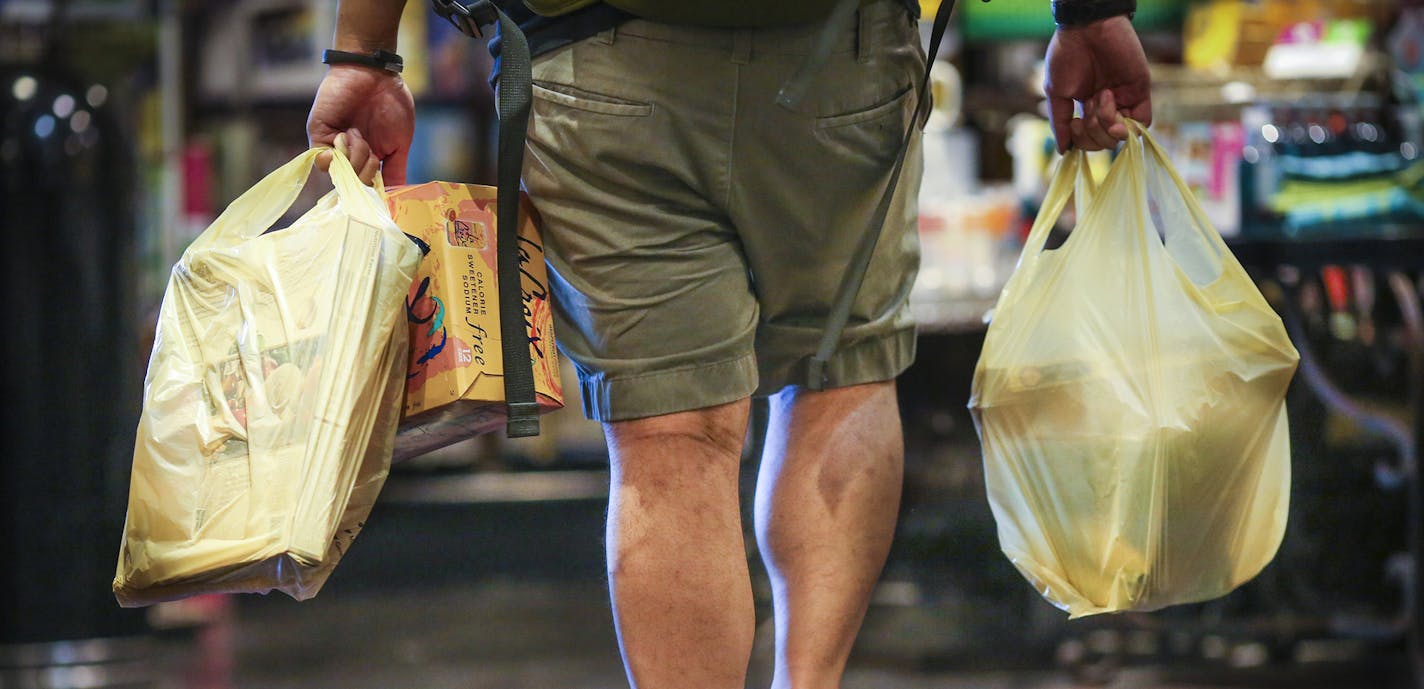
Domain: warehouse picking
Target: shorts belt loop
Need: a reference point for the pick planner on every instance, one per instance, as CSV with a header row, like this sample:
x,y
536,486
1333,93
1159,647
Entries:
x,y
741,46
863,39
608,36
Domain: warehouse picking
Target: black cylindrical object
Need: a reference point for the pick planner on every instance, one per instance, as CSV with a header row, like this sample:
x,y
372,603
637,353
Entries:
x,y
71,374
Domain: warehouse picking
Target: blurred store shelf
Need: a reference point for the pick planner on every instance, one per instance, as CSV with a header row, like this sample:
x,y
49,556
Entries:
x,y
947,316
497,487
1176,89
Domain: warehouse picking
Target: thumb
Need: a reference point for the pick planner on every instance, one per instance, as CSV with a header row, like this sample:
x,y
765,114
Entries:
x,y
323,159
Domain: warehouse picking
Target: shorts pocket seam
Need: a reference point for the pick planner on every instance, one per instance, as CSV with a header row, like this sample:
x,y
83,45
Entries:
x,y
581,99
875,112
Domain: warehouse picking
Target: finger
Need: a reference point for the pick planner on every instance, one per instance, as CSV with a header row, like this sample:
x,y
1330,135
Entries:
x,y
393,168
1101,120
1095,126
323,159
1079,138
366,169
369,170
1060,117
1109,118
358,150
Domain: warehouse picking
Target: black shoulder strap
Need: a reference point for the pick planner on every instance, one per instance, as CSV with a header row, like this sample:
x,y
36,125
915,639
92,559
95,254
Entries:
x,y
514,95
794,90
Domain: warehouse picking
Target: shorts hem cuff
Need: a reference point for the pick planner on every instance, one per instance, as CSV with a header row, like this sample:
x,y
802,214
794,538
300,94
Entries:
x,y
669,392
870,361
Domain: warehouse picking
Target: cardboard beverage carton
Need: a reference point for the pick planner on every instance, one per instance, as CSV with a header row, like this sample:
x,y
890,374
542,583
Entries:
x,y
455,379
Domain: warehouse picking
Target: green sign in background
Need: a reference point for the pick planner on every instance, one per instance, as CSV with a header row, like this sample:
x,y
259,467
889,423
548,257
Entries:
x,y
1022,19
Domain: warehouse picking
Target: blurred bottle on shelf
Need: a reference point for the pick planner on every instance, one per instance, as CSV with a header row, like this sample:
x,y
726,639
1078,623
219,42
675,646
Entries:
x,y
1322,169
967,230
1406,48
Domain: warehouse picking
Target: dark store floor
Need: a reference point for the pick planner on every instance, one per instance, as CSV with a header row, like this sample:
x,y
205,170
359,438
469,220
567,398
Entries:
x,y
510,635
511,596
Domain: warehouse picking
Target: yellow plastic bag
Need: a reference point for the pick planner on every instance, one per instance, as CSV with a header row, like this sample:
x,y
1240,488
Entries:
x,y
272,396
1130,400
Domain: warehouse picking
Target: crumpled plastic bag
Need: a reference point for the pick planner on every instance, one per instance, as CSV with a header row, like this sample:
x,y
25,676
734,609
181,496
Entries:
x,y
272,396
1129,399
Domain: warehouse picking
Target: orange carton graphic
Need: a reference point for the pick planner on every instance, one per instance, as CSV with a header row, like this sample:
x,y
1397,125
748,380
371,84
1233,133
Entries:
x,y
455,379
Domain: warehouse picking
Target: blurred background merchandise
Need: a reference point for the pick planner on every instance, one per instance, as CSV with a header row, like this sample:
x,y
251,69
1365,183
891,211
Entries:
x,y
129,124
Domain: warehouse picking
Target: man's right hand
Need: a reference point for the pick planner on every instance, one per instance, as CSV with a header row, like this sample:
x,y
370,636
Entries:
x,y
375,111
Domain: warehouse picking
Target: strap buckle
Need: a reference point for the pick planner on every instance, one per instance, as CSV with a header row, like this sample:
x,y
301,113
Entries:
x,y
522,420
467,18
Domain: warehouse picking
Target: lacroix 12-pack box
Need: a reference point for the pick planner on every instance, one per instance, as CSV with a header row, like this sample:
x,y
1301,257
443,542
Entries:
x,y
454,386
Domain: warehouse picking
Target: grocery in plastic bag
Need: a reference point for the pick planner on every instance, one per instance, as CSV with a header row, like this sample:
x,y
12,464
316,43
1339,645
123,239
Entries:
x,y
1129,399
272,395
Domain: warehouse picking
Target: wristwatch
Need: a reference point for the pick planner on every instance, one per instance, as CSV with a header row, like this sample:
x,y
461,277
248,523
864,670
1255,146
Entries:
x,y
380,59
1069,13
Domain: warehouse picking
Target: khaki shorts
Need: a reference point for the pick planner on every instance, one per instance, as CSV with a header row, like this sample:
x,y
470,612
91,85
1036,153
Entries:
x,y
696,231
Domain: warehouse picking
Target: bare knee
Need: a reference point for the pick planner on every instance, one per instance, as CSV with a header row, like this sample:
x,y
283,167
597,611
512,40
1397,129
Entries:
x,y
674,475
716,431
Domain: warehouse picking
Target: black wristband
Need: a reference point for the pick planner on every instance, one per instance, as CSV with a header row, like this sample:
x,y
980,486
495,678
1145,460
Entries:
x,y
381,59
1069,13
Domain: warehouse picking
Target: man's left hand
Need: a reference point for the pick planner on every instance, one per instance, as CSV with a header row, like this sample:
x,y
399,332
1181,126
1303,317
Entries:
x,y
1101,65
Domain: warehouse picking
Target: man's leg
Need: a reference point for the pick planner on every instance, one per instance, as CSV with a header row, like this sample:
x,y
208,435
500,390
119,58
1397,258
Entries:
x,y
827,499
677,564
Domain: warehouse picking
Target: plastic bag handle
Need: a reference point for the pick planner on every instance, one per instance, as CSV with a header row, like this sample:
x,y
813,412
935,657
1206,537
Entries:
x,y
1141,146
256,209
1070,178
1151,148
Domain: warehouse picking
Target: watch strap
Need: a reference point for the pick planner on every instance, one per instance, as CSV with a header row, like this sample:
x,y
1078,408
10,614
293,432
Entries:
x,y
1069,13
379,59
